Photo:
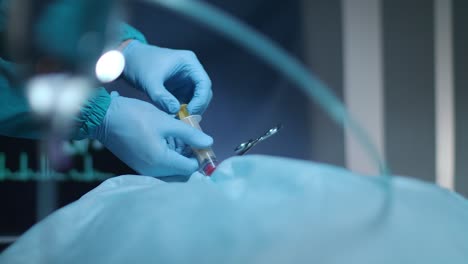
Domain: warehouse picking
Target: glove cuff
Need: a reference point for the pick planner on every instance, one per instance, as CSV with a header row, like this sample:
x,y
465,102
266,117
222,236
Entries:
x,y
128,72
92,114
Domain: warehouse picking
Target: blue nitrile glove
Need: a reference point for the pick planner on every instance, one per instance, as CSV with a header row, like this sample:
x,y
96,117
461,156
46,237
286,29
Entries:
x,y
169,77
143,137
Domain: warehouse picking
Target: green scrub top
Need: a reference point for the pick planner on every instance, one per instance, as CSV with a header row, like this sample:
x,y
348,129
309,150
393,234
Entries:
x,y
16,117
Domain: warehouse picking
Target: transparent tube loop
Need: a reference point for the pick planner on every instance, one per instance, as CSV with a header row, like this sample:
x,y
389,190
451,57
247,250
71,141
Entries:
x,y
280,60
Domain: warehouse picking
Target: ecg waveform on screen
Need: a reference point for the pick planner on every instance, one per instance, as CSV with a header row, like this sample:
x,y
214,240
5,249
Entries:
x,y
45,173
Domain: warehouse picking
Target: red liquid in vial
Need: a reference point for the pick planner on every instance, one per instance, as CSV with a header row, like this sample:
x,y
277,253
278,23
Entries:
x,y
209,168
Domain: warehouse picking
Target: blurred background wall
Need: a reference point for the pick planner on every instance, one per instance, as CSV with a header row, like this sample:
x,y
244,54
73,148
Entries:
x,y
399,65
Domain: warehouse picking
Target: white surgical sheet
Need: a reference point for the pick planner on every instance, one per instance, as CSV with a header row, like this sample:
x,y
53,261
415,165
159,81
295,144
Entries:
x,y
255,209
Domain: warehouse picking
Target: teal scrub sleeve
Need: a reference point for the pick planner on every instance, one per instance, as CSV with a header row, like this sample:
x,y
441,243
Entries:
x,y
17,119
91,114
93,111
128,32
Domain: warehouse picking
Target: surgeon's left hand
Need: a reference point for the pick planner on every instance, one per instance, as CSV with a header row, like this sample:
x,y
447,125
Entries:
x,y
147,139
169,77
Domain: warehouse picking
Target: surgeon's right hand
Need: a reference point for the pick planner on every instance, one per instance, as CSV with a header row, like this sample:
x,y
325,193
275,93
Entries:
x,y
138,134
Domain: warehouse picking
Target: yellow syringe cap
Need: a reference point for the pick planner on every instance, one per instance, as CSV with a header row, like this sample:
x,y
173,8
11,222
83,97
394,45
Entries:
x,y
183,112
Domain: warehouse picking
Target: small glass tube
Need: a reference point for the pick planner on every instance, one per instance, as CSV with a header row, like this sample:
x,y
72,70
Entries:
x,y
206,157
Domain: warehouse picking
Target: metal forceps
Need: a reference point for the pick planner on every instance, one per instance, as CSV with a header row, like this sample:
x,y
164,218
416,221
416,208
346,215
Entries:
x,y
248,145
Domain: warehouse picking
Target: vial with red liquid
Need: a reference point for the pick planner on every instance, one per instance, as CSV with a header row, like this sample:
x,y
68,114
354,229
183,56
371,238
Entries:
x,y
207,160
206,157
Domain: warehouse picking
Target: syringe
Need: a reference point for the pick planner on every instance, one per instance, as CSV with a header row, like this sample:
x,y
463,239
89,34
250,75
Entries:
x,y
206,157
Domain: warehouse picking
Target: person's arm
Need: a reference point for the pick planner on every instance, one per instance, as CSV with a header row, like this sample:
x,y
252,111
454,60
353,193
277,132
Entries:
x,y
127,33
17,119
93,111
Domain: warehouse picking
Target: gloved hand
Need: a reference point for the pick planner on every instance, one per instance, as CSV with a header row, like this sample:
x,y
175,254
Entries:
x,y
143,137
169,77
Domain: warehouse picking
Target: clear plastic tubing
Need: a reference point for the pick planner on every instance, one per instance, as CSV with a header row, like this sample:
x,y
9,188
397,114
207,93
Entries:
x,y
206,157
